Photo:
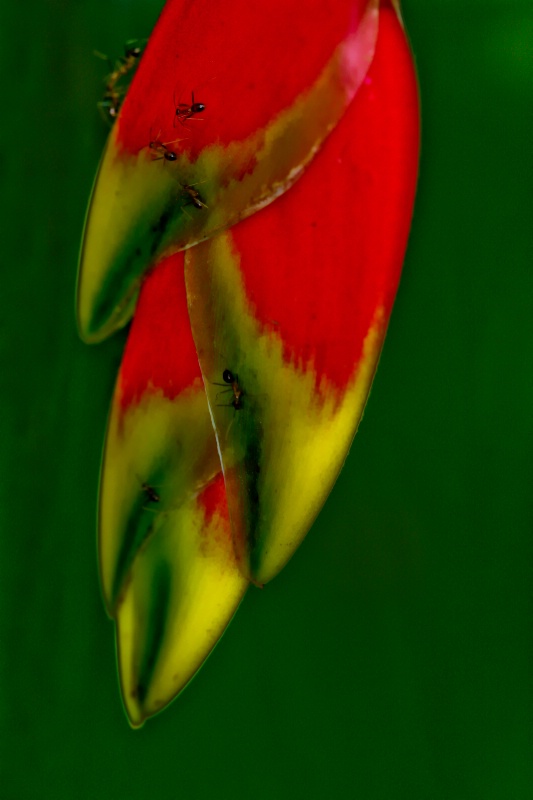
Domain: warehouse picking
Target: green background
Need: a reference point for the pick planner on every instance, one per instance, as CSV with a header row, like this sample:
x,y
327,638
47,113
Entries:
x,y
393,657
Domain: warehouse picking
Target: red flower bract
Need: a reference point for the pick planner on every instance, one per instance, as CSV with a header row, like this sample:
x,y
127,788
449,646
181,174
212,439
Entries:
x,y
160,354
245,61
318,262
295,300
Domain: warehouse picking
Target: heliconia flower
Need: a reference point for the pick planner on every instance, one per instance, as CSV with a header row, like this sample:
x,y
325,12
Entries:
x,y
265,333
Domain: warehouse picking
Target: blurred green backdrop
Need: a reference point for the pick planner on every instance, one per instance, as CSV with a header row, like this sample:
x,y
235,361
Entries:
x,y
393,658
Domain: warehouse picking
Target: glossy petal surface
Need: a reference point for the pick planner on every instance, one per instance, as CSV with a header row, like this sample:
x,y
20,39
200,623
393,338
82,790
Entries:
x,y
169,574
265,118
295,301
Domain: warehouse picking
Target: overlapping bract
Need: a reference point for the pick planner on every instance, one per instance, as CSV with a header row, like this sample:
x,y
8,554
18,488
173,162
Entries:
x,y
169,573
291,302
267,114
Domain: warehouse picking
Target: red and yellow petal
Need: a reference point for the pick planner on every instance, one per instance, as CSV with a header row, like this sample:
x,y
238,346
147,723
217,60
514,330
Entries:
x,y
182,591
168,569
268,110
295,302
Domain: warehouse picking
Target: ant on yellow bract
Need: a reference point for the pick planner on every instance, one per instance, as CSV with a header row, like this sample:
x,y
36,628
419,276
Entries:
x,y
232,379
162,149
150,492
193,197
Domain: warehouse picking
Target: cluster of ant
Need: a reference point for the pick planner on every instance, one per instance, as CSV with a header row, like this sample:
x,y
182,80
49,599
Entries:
x,y
161,150
115,91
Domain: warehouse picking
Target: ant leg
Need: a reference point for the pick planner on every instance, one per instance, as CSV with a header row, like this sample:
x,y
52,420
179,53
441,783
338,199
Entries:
x,y
176,140
103,56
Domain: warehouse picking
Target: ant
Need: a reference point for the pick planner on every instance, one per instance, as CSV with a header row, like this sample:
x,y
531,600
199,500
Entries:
x,y
150,492
111,103
113,93
132,49
125,64
193,197
162,149
233,380
184,111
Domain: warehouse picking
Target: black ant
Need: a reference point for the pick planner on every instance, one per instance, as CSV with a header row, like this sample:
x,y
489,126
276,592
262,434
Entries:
x,y
124,64
162,149
184,111
233,380
193,197
150,492
114,93
111,103
132,49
